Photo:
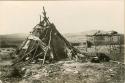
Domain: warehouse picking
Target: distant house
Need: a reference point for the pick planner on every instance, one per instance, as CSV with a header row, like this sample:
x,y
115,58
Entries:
x,y
103,37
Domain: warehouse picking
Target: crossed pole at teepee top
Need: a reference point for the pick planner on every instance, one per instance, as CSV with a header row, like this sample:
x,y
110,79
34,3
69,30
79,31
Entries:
x,y
44,17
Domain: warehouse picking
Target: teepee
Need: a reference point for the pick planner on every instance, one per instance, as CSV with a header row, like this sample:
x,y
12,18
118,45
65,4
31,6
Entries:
x,y
45,43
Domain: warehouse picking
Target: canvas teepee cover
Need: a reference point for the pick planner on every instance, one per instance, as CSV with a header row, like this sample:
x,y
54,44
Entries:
x,y
45,43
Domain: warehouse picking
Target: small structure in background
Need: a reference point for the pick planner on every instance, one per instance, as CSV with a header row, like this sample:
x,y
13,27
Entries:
x,y
108,41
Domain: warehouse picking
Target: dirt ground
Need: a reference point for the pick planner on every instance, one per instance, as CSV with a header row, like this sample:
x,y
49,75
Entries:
x,y
65,72
75,72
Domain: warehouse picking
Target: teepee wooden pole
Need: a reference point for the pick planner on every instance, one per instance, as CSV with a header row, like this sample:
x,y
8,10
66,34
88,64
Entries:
x,y
35,51
47,48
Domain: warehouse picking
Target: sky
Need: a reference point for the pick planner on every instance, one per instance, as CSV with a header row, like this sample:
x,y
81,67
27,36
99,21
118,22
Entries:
x,y
68,16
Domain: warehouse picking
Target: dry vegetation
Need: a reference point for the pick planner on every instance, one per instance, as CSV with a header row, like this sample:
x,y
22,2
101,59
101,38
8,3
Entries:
x,y
114,53
60,72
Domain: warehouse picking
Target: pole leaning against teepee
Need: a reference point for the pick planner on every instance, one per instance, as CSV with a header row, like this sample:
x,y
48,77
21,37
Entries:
x,y
47,47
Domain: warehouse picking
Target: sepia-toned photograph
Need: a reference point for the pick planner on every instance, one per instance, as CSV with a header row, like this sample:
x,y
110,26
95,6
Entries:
x,y
62,41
